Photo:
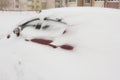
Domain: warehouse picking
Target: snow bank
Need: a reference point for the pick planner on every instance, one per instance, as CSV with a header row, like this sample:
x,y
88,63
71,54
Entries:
x,y
94,32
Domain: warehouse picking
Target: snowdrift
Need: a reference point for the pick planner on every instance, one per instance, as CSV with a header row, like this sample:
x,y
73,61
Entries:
x,y
93,33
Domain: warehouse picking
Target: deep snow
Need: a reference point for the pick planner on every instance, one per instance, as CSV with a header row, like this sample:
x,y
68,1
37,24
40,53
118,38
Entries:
x,y
94,32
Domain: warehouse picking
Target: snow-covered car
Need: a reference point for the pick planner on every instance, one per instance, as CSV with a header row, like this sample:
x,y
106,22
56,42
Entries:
x,y
37,23
49,28
77,43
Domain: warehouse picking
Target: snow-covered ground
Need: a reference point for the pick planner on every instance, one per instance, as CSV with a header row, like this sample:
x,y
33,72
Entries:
x,y
94,33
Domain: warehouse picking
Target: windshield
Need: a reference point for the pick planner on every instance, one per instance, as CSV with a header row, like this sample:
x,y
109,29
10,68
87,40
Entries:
x,y
32,23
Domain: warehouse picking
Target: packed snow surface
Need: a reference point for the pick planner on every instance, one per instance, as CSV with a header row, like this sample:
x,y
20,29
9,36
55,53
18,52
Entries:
x,y
94,33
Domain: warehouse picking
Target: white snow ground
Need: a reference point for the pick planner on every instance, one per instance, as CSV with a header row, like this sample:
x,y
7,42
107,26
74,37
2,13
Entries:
x,y
94,32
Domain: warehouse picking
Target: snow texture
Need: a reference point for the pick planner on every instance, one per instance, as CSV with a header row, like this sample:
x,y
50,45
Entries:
x,y
94,33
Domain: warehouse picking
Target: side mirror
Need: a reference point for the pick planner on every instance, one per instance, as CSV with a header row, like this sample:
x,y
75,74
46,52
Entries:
x,y
17,31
